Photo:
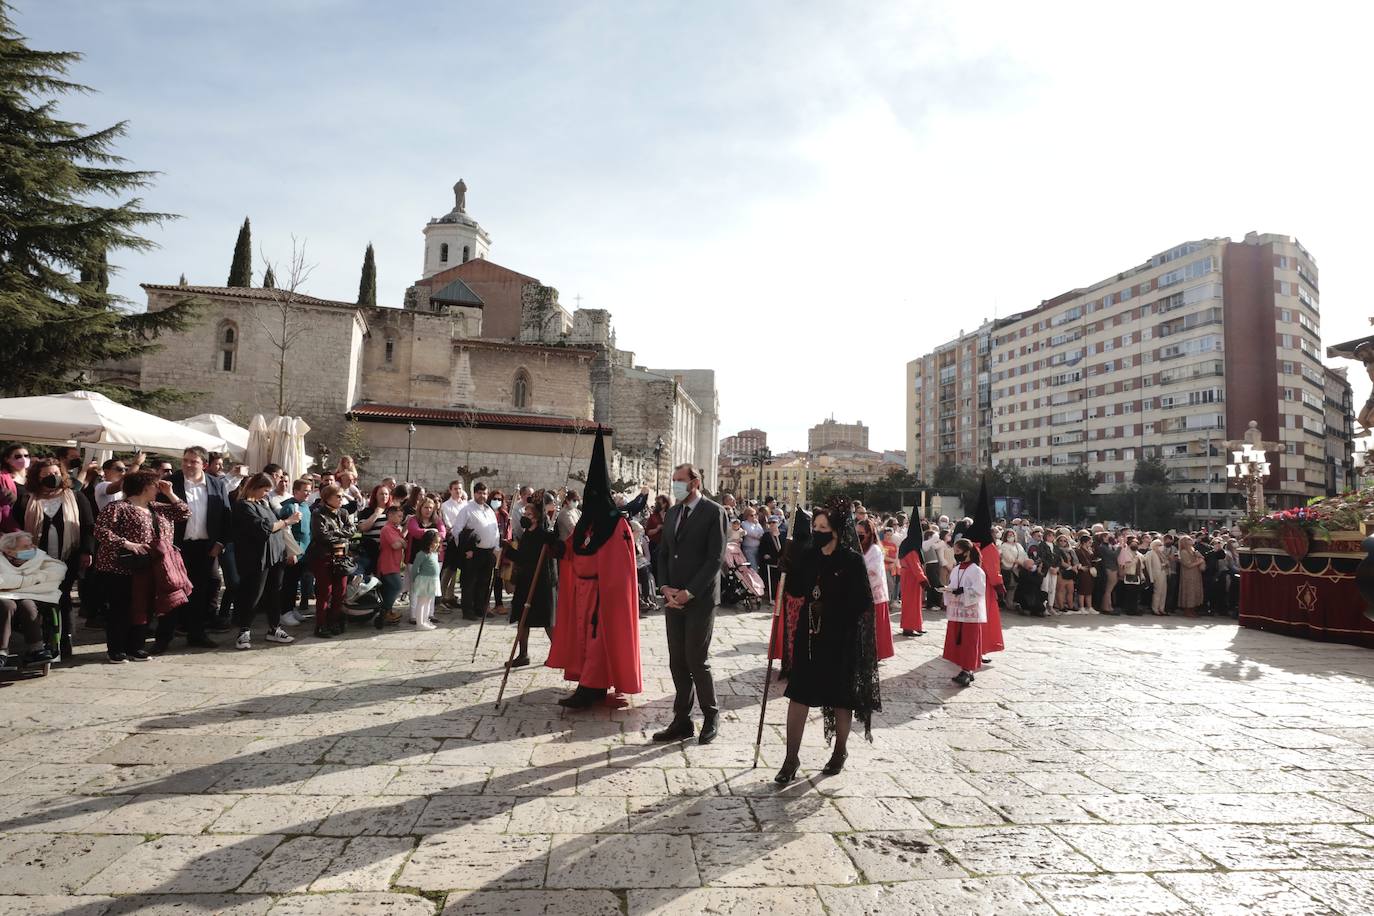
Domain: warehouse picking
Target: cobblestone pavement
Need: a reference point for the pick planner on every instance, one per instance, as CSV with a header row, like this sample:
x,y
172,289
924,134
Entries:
x,y
1103,765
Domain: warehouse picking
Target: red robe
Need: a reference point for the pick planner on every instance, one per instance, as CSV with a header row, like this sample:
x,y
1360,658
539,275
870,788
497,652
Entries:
x,y
596,633
991,561
913,591
964,642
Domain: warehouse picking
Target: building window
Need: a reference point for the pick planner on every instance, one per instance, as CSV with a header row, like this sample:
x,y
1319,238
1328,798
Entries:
x,y
467,253
521,389
227,338
390,349
443,253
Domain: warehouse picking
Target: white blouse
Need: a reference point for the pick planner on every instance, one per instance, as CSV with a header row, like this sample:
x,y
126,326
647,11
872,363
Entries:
x,y
877,574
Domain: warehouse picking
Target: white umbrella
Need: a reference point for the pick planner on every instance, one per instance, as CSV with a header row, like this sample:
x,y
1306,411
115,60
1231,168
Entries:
x,y
288,445
234,437
92,419
258,454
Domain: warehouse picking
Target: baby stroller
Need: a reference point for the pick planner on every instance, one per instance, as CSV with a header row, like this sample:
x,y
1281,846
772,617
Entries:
x,y
741,585
362,598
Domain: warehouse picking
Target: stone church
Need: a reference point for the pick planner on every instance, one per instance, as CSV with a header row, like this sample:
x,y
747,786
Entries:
x,y
481,367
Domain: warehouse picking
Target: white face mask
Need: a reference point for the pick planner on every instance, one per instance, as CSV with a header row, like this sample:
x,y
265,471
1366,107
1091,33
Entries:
x,y
679,490
495,504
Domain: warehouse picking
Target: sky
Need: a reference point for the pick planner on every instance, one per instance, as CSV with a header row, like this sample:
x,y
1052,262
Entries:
x,y
800,195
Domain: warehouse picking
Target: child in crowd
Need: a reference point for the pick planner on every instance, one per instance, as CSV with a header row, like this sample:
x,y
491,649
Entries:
x,y
424,580
390,562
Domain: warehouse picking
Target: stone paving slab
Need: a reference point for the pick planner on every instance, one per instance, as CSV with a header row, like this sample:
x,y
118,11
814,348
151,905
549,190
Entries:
x,y
1100,766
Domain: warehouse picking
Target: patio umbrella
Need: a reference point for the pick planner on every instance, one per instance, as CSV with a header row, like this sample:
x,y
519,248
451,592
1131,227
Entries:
x,y
234,437
91,419
258,454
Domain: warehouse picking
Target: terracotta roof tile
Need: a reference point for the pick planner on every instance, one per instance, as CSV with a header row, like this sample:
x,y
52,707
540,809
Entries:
x,y
248,292
481,419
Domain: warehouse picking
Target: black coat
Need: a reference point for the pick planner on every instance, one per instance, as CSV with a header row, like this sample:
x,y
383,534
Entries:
x,y
771,549
256,545
85,524
525,555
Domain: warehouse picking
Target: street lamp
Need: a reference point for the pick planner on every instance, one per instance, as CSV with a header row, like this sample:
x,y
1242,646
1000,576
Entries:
x,y
658,461
410,436
760,457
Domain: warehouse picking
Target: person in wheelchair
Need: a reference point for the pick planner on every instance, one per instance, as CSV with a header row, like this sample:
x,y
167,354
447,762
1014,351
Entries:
x,y
28,578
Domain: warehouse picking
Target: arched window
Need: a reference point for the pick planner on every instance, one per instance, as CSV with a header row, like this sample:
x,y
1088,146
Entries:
x,y
467,253
227,346
521,389
443,252
390,349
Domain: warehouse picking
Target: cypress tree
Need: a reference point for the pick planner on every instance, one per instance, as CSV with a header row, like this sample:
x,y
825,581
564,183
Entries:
x,y
182,281
56,232
269,279
367,286
241,270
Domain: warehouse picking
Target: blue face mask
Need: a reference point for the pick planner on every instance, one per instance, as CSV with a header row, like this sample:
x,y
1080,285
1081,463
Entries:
x,y
28,554
679,490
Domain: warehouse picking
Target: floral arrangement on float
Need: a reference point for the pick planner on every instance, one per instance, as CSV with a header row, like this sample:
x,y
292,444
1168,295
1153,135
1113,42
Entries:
x,y
1328,519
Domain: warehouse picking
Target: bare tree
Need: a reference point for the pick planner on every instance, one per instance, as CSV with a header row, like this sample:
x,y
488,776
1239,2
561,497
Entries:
x,y
568,451
466,426
279,317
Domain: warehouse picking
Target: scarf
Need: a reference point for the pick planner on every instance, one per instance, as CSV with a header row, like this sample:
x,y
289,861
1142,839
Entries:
x,y
71,522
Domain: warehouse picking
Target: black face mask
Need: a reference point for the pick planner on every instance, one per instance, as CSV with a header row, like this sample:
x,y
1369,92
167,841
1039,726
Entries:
x,y
51,481
821,538
525,522
960,557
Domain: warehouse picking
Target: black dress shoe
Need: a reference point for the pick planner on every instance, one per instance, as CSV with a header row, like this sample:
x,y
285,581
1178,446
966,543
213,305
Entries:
x,y
160,648
787,773
708,731
963,678
836,764
908,633
583,698
920,632
519,661
679,730
986,662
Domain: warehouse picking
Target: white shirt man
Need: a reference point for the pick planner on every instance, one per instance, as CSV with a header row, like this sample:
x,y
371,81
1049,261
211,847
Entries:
x,y
197,500
479,518
450,508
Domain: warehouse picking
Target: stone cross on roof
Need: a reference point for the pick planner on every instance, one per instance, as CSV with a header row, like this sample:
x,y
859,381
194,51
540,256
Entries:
x,y
460,196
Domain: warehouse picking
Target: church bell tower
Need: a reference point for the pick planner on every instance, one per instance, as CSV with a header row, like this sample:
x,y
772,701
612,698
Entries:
x,y
454,238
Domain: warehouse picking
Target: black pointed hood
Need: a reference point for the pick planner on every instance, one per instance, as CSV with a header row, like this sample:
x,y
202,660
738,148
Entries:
x,y
599,513
980,532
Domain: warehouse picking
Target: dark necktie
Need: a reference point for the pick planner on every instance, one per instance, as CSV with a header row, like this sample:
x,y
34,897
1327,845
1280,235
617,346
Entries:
x,y
682,519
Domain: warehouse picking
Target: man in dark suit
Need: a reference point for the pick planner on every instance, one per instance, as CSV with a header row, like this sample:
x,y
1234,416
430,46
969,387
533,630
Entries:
x,y
689,562
201,538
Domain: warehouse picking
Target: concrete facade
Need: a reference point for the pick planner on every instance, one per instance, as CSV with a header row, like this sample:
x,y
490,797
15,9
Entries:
x,y
829,432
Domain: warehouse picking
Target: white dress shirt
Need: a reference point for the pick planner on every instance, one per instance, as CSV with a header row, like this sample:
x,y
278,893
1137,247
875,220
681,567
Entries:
x,y
481,521
450,509
197,500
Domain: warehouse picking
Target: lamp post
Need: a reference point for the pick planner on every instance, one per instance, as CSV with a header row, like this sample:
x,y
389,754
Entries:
x,y
410,436
760,457
658,462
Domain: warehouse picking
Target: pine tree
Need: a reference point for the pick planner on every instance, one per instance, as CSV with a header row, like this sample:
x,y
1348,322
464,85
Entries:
x,y
55,233
241,270
367,286
269,279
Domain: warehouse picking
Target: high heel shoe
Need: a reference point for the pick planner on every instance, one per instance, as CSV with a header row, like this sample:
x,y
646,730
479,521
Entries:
x,y
788,772
835,765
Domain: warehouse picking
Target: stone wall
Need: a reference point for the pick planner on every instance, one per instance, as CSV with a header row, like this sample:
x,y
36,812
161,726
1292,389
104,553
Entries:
x,y
321,364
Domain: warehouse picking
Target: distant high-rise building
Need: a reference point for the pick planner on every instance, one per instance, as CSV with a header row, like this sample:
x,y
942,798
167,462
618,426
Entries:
x,y
743,443
1169,359
829,433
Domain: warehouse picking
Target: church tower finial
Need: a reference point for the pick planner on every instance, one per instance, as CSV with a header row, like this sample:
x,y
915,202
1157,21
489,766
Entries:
x,y
460,196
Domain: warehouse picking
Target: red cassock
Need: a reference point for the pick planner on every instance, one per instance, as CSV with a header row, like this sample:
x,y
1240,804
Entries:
x,y
963,644
992,569
913,591
596,633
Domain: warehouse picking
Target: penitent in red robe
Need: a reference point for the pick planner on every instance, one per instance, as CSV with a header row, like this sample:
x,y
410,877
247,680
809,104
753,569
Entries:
x,y
596,633
913,591
992,568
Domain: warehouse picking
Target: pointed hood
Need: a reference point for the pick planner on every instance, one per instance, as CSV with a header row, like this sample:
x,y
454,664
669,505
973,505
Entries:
x,y
599,513
980,532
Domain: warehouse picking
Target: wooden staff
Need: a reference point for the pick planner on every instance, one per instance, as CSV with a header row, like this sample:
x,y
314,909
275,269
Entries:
x,y
520,630
491,580
780,628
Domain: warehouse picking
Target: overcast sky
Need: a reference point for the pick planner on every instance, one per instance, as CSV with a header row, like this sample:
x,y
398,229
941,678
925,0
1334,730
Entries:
x,y
801,195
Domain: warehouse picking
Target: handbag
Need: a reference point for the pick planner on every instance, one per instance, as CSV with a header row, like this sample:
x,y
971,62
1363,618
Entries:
x,y
136,562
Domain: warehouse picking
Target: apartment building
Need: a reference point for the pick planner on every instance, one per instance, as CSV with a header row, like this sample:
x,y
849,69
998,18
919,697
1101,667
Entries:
x,y
830,433
1171,358
948,404
743,443
1340,431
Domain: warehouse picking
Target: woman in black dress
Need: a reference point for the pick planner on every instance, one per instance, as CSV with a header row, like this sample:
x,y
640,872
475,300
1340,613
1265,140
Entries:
x,y
834,657
536,534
